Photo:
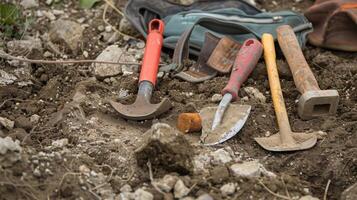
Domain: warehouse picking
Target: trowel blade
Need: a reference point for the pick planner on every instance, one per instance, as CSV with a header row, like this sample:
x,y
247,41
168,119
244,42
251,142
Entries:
x,y
232,122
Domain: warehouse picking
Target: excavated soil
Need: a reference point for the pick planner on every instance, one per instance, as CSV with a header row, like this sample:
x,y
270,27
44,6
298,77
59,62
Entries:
x,y
73,105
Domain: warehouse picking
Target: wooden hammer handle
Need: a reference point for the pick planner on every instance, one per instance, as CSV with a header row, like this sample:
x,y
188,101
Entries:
x,y
303,77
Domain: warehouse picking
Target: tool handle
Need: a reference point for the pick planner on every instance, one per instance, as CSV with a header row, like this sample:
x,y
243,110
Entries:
x,y
150,65
275,88
303,77
246,60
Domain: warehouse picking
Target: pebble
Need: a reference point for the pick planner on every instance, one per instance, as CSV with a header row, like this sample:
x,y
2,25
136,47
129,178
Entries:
x,y
141,194
216,98
250,169
49,2
228,189
126,27
180,189
68,32
60,143
84,169
255,94
31,47
205,197
49,15
85,54
126,188
101,28
221,156
36,172
167,183
108,29
23,122
350,193
6,78
112,54
308,197
29,4
140,45
8,124
10,151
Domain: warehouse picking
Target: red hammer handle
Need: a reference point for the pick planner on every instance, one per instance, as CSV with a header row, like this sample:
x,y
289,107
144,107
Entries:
x,y
154,40
246,60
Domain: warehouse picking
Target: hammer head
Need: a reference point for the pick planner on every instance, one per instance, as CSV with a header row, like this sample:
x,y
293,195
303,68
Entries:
x,y
141,109
318,103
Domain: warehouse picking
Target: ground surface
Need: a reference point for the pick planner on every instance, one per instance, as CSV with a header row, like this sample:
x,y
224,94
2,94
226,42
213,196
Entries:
x,y
98,159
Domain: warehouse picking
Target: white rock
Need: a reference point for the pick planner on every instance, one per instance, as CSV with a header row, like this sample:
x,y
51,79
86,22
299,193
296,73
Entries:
x,y
201,163
49,15
167,183
60,143
216,98
84,169
29,48
8,124
108,29
228,189
252,2
308,197
6,78
10,151
141,194
29,4
111,54
36,172
126,196
49,2
221,156
255,94
180,189
187,198
250,169
34,119
205,197
126,188
68,32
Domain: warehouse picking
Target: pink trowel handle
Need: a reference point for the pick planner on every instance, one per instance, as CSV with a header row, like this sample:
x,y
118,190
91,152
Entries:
x,y
246,60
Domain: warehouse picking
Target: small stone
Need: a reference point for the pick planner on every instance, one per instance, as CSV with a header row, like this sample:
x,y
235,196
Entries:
x,y
188,198
205,197
216,98
127,71
34,119
228,189
58,12
47,54
60,143
180,189
141,194
201,163
23,122
8,124
350,193
81,20
250,169
221,156
31,48
29,4
167,183
308,197
108,29
126,188
48,172
49,15
49,2
101,28
126,27
126,196
255,94
85,54
84,169
37,172
111,54
140,45
6,78
68,32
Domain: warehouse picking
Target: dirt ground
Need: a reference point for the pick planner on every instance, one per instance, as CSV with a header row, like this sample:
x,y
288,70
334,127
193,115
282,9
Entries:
x,y
99,157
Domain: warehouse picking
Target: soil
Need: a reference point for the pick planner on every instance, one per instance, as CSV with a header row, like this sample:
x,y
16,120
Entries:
x,y
73,105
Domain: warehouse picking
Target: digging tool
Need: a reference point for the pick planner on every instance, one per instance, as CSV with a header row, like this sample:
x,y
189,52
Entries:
x,y
246,59
142,108
285,139
314,102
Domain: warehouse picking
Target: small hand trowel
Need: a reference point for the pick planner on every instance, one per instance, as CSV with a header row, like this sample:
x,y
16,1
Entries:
x,y
226,124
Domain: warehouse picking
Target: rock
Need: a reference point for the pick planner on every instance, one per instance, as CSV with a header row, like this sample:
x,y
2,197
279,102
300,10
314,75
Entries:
x,y
201,163
250,169
10,151
186,2
255,94
219,174
166,148
350,193
23,122
6,78
60,143
308,197
180,189
18,134
108,29
205,197
111,54
188,198
283,69
221,156
36,172
252,2
167,183
126,27
8,124
228,189
84,169
126,188
30,48
216,98
29,4
34,119
123,93
68,32
141,194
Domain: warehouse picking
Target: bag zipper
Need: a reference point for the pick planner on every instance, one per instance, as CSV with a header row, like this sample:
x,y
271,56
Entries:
x,y
235,18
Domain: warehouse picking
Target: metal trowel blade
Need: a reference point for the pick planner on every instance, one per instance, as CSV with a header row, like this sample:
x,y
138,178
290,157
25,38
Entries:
x,y
232,122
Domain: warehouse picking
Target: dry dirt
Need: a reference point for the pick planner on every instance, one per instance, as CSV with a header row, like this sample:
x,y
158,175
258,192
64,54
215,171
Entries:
x,y
73,105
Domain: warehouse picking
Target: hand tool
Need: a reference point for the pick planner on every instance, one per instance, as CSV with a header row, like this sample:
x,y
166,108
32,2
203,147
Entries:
x,y
246,59
142,108
313,102
285,139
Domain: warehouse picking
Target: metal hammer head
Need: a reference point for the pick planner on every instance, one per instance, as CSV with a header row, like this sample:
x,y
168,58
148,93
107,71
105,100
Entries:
x,y
318,103
142,109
